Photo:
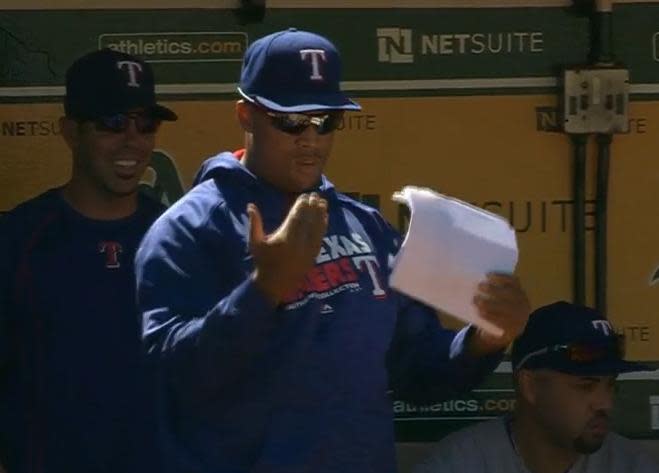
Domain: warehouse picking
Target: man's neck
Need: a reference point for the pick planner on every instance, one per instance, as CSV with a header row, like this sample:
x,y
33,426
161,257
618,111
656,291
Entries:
x,y
96,204
535,449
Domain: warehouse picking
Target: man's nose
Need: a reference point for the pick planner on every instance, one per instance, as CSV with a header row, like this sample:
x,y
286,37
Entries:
x,y
309,136
604,396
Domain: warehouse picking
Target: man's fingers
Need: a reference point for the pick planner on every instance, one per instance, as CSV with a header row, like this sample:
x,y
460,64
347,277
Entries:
x,y
297,215
256,233
314,198
319,204
492,311
319,229
318,217
501,296
502,287
503,280
502,300
301,204
307,218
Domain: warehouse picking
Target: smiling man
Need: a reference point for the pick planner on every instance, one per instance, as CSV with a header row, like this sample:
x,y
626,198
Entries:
x,y
71,385
265,295
565,366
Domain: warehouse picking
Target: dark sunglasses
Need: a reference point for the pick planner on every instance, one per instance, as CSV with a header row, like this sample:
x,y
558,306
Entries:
x,y
296,123
119,122
583,352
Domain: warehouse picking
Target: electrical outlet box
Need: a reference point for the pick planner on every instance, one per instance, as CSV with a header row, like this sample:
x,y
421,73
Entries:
x,y
596,100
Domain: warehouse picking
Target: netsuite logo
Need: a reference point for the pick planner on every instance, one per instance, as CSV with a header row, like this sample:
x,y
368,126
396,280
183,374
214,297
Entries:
x,y
395,45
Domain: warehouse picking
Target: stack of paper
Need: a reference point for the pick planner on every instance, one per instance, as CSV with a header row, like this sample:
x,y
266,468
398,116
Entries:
x,y
449,248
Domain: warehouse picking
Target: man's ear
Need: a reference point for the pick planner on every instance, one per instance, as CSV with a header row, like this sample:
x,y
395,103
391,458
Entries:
x,y
527,386
245,115
70,130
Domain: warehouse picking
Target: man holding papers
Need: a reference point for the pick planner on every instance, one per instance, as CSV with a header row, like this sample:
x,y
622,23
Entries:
x,y
266,299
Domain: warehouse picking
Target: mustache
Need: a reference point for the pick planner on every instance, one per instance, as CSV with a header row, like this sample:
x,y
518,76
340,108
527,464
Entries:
x,y
128,148
599,417
308,153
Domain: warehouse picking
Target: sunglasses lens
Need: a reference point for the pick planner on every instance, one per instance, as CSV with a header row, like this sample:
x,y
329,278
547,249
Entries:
x,y
293,123
146,123
114,123
585,353
330,123
119,122
296,123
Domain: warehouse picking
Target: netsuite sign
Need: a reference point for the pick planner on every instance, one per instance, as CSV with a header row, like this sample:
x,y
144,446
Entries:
x,y
403,45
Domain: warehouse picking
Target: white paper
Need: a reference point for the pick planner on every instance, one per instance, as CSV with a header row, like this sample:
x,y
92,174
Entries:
x,y
449,248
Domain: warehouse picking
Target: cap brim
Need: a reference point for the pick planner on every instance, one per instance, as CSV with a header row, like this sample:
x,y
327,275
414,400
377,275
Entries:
x,y
604,369
164,113
301,103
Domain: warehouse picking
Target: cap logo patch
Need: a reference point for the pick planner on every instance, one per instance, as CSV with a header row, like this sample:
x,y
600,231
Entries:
x,y
603,326
315,56
133,68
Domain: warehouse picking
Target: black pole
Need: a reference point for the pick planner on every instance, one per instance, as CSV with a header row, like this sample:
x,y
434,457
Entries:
x,y
601,253
601,51
250,11
579,218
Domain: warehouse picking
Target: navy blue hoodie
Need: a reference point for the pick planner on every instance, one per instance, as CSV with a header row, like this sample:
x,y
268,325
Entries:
x,y
301,387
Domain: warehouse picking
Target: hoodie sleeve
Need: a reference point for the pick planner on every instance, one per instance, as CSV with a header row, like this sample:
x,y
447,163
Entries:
x,y
426,361
200,323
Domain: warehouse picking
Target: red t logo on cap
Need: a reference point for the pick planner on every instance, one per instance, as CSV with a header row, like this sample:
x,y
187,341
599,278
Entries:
x,y
315,55
133,68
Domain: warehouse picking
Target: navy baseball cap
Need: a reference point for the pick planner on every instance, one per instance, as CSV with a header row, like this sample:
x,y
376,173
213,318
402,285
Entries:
x,y
572,339
294,71
106,82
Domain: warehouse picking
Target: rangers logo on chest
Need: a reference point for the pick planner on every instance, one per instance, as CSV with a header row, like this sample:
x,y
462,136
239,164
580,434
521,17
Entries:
x,y
341,265
111,250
